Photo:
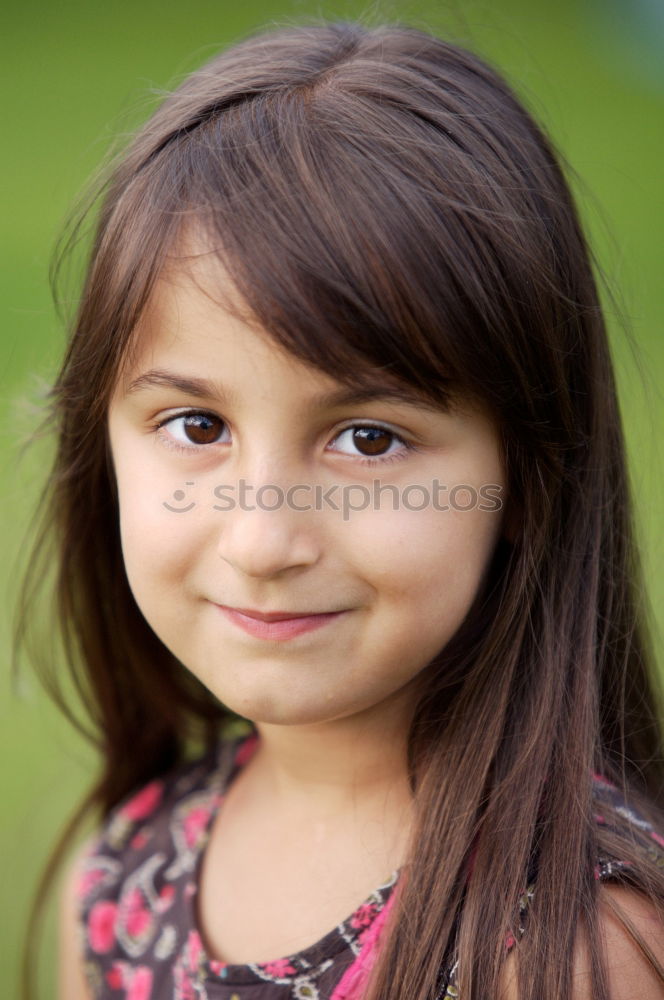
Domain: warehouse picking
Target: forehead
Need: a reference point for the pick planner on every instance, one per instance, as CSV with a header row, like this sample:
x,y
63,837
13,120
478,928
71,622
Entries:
x,y
196,329
192,303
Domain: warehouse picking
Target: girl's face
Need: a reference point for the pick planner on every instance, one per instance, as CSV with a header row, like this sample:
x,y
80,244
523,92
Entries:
x,y
244,484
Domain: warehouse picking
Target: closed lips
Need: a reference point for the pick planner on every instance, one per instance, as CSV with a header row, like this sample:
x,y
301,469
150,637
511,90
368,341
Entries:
x,y
276,616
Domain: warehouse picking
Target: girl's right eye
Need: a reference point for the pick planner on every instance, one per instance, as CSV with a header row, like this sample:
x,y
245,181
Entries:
x,y
189,431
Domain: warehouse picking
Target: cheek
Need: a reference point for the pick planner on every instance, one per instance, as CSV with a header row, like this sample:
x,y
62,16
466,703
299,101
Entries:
x,y
407,549
426,567
158,545
156,530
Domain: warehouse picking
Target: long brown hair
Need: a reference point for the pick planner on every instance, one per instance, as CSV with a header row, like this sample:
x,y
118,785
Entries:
x,y
382,200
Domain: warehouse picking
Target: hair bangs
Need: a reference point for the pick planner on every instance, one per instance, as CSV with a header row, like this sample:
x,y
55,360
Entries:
x,y
350,210
323,235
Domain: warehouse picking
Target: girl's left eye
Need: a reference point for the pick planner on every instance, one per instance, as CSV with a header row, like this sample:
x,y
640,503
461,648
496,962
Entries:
x,y
373,439
195,430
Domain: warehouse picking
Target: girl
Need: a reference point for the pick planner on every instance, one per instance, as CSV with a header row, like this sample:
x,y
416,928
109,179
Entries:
x,y
340,461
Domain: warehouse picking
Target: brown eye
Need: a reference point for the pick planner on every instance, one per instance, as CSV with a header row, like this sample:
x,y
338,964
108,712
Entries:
x,y
202,428
371,444
372,440
192,430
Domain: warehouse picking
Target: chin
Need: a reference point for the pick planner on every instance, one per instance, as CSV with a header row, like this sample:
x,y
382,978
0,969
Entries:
x,y
280,710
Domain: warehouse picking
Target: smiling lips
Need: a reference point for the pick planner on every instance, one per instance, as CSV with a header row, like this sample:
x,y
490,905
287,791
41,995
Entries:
x,y
276,624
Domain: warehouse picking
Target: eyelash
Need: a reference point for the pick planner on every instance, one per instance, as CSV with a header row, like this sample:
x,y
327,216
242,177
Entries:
x,y
407,446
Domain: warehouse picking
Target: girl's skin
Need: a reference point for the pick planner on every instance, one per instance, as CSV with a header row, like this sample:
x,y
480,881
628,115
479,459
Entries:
x,y
328,788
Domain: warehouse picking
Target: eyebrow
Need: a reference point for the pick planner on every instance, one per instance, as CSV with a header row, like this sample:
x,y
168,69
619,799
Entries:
x,y
203,388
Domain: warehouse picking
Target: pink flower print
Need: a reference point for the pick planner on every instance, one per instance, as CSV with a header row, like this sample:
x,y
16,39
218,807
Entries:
x,y
217,967
185,973
352,984
656,836
138,917
140,987
245,751
88,880
144,802
363,935
183,987
194,824
139,840
364,915
194,950
279,968
101,927
600,779
166,897
115,977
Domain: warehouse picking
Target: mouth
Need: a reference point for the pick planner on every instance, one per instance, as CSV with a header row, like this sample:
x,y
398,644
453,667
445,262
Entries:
x,y
275,616
278,624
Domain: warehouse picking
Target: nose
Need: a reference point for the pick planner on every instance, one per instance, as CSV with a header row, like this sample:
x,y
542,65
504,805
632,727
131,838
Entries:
x,y
267,531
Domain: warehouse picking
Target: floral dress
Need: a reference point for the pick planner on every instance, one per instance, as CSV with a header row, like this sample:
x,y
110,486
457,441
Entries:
x,y
137,903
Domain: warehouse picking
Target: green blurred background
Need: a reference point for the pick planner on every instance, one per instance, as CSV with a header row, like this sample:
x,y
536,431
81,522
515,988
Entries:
x,y
77,74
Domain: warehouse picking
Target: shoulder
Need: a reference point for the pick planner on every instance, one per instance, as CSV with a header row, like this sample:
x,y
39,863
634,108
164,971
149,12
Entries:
x,y
625,916
172,807
630,929
137,874
169,800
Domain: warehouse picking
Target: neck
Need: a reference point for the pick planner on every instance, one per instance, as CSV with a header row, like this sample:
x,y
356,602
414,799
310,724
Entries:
x,y
331,766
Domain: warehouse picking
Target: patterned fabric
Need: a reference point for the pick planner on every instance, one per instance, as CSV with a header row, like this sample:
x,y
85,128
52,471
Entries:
x,y
137,892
